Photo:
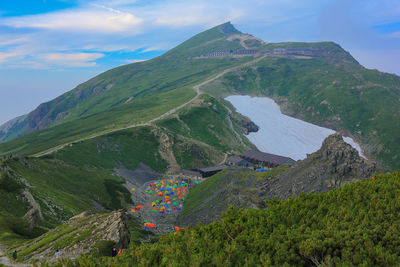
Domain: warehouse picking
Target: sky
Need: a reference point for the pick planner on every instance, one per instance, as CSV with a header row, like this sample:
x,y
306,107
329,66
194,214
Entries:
x,y
47,47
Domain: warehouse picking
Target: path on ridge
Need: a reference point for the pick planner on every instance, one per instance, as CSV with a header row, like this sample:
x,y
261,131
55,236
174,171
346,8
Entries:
x,y
196,88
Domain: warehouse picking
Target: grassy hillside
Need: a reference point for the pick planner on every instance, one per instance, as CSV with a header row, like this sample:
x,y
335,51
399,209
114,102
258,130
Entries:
x,y
332,91
208,122
135,87
60,191
357,224
69,181
238,187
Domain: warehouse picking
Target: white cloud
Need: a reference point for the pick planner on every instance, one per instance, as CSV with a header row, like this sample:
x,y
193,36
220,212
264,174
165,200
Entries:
x,y
12,41
7,55
98,20
158,47
73,59
134,60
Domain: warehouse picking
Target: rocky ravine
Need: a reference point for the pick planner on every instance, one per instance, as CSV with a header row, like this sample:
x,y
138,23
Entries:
x,y
336,163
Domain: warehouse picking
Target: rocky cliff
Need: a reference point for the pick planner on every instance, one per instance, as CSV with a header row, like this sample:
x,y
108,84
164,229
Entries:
x,y
82,234
336,163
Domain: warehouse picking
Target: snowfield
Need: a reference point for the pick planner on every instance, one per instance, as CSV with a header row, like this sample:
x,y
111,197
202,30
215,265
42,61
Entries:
x,y
280,134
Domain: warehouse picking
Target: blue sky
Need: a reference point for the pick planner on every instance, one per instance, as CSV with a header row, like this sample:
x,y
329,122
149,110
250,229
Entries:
x,y
47,47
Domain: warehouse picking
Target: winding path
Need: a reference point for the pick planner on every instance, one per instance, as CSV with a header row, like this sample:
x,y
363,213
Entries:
x,y
196,88
4,260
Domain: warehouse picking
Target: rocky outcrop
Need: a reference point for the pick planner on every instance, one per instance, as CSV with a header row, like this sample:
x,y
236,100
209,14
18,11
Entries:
x,y
115,228
34,214
246,125
336,163
81,234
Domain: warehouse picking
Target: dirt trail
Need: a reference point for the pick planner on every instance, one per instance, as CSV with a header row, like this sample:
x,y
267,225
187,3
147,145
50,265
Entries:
x,y
196,88
6,261
243,37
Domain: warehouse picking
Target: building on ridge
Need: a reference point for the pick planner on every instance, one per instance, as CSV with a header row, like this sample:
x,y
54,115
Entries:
x,y
263,159
209,171
238,161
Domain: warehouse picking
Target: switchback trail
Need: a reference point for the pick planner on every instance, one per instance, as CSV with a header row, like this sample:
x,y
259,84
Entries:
x,y
196,88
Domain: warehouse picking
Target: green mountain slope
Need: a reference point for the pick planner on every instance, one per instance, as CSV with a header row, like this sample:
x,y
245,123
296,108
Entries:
x,y
134,84
331,90
357,224
55,191
85,175
318,82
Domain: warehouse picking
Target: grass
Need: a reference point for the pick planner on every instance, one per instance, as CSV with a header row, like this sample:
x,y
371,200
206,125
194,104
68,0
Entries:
x,y
230,183
62,190
128,147
334,92
138,93
206,123
132,113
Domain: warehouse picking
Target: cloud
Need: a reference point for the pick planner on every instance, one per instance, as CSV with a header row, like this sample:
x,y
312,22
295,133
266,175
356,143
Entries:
x,y
12,41
158,47
7,55
134,60
73,59
97,20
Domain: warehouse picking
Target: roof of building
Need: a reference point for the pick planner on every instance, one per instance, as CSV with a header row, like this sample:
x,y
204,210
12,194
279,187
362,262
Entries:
x,y
266,157
189,172
213,168
235,159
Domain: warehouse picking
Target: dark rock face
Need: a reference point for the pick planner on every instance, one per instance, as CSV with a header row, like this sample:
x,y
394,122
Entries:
x,y
336,163
246,125
116,228
250,127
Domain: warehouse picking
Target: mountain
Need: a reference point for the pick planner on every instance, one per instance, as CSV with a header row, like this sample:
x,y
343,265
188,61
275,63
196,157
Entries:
x,y
129,87
86,149
13,128
335,164
317,82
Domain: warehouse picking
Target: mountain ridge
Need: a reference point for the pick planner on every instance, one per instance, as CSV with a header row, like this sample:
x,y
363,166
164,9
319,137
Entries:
x,y
296,75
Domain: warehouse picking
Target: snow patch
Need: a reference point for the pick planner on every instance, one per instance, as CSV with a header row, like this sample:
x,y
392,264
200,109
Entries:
x,y
280,134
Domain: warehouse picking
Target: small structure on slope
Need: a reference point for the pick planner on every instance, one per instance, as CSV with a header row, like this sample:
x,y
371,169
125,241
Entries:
x,y
209,171
190,174
238,161
263,159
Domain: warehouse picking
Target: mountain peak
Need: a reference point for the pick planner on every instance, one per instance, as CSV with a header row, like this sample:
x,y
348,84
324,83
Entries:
x,y
228,28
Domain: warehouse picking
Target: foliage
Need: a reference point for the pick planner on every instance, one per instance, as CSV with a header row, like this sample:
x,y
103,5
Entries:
x,y
357,224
